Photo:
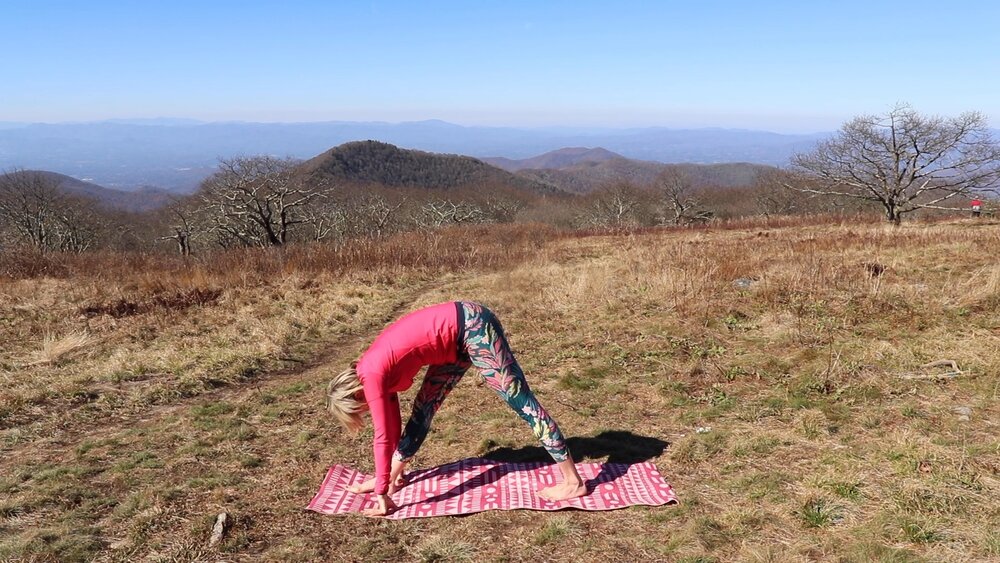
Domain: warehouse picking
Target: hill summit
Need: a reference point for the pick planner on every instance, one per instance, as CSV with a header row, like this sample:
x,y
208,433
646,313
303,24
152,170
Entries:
x,y
388,165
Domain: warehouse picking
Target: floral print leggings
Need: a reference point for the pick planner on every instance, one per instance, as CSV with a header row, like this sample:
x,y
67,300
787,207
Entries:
x,y
483,345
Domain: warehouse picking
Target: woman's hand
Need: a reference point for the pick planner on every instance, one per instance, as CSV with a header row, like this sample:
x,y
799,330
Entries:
x,y
385,507
397,479
397,483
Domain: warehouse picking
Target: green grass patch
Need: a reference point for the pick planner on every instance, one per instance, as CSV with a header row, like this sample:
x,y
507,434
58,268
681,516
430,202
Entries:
x,y
761,485
295,388
85,447
212,410
755,411
140,459
438,549
213,481
756,445
937,499
59,544
990,544
716,396
850,490
251,461
868,552
677,393
710,533
864,394
10,508
700,447
65,472
574,382
819,513
872,420
8,485
556,528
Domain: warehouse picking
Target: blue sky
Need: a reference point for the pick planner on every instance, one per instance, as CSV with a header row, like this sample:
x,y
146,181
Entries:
x,y
783,66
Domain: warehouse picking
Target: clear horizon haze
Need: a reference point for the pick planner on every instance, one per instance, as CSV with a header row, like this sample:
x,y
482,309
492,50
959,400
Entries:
x,y
792,67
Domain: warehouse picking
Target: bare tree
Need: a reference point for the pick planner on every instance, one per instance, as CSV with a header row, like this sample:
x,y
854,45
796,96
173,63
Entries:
x,y
27,203
678,201
184,224
618,206
442,212
374,215
771,197
255,201
77,225
44,216
327,219
501,209
903,161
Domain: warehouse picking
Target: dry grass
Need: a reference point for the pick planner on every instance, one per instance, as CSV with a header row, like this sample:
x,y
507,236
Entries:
x,y
55,349
784,340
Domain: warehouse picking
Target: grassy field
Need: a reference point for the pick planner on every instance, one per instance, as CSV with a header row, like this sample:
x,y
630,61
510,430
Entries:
x,y
772,372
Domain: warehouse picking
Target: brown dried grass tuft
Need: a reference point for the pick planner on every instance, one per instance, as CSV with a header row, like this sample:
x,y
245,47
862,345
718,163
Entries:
x,y
56,349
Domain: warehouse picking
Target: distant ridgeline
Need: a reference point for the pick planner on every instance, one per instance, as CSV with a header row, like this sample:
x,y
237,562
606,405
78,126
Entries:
x,y
582,170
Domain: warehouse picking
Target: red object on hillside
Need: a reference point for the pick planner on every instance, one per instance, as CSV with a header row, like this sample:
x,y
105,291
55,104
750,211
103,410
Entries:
x,y
976,203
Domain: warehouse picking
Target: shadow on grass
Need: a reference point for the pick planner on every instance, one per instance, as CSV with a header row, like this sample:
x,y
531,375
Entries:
x,y
619,446
622,449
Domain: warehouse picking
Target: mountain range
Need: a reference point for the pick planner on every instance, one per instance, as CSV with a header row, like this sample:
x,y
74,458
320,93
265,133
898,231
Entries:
x,y
581,170
177,154
574,170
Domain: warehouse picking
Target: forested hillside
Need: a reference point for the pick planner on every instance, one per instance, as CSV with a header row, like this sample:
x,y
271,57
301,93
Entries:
x,y
560,158
372,162
599,168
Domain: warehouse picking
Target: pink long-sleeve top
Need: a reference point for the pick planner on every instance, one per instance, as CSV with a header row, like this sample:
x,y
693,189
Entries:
x,y
424,337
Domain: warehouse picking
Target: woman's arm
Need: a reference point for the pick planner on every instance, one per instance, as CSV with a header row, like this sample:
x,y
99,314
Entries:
x,y
387,424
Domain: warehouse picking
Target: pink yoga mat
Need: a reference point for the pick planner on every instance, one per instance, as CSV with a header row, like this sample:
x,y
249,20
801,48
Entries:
x,y
475,485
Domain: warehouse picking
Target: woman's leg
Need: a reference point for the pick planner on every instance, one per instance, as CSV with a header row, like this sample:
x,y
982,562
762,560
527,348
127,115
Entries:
x,y
438,382
489,351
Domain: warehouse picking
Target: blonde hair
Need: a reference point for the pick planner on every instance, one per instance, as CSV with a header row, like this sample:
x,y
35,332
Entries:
x,y
342,401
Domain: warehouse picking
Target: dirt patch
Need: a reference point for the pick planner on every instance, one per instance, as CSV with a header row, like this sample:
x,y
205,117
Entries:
x,y
176,301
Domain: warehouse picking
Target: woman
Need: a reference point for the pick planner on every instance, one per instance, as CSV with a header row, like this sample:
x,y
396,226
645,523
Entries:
x,y
449,338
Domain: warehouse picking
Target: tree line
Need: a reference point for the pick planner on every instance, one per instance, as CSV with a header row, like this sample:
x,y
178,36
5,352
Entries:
x,y
894,164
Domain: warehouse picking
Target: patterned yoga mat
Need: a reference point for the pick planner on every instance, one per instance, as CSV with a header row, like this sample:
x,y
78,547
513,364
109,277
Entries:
x,y
475,485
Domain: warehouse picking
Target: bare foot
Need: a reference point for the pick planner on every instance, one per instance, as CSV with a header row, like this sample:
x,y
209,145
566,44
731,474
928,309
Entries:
x,y
385,507
563,491
366,487
369,486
